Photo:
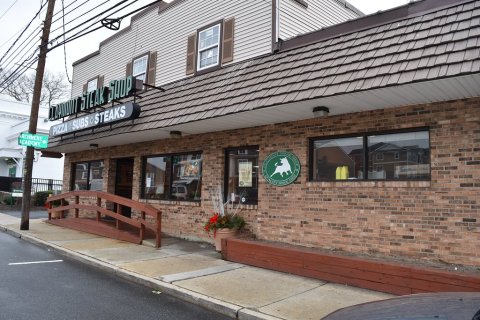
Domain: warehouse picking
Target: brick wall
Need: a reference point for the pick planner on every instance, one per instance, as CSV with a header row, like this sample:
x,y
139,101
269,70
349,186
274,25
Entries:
x,y
435,220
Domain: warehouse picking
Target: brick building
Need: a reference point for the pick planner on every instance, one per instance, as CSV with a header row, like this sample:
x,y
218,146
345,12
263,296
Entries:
x,y
391,100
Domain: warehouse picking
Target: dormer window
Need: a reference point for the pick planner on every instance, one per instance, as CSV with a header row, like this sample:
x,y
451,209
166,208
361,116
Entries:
x,y
140,67
92,84
143,67
208,47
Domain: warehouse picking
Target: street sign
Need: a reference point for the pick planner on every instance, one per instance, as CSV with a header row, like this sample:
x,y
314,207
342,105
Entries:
x,y
17,193
38,141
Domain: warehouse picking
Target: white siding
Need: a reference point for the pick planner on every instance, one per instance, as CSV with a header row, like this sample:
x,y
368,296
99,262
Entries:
x,y
167,34
295,19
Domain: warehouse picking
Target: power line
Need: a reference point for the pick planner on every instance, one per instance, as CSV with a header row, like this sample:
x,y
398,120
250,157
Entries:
x,y
64,50
88,20
32,37
25,29
5,12
85,32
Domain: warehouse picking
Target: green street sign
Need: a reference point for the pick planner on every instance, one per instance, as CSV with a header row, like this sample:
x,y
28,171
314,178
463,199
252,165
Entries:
x,y
281,168
38,141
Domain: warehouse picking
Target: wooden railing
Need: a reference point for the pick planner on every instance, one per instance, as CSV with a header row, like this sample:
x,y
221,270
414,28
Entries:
x,y
60,203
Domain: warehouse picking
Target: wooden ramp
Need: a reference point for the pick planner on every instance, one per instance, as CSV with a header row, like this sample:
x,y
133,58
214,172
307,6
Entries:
x,y
107,223
101,228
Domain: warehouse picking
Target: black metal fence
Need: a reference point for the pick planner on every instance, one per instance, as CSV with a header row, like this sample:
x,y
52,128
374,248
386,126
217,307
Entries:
x,y
46,185
7,184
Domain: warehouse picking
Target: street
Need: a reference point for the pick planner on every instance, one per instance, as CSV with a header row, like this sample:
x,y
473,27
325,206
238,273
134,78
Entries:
x,y
36,283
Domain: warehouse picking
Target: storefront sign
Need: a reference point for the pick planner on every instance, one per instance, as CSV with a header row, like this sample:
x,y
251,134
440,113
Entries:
x,y
117,89
281,168
122,112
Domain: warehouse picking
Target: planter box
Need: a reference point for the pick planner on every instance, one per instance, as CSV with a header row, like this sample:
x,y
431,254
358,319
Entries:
x,y
369,274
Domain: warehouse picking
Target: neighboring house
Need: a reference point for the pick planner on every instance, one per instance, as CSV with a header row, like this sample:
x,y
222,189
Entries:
x,y
407,79
14,119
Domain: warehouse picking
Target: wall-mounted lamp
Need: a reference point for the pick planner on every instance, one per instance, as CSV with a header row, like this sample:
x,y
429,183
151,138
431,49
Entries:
x,y
175,134
94,145
320,112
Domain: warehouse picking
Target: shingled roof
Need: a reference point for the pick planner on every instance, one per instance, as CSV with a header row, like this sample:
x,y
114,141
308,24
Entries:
x,y
406,45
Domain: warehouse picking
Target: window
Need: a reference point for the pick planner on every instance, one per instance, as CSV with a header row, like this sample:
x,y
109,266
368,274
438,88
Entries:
x,y
88,175
12,171
140,68
241,175
92,85
208,47
338,159
172,177
394,156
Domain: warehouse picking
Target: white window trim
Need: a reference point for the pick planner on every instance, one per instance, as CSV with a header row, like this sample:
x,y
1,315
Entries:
x,y
209,47
90,81
146,66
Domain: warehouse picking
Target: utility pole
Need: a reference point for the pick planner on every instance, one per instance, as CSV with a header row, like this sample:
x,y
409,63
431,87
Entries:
x,y
32,128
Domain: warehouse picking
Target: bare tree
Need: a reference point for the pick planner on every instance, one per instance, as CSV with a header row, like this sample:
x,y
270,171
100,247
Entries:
x,y
54,89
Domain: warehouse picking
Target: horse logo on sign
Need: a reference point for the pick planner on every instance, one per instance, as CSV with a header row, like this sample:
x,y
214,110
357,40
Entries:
x,y
281,168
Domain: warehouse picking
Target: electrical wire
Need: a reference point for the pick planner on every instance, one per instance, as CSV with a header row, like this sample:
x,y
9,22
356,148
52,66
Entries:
x,y
64,49
94,17
85,32
8,9
79,16
32,37
25,29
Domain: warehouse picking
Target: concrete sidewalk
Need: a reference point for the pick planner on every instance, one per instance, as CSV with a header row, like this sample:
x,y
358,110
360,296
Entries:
x,y
196,273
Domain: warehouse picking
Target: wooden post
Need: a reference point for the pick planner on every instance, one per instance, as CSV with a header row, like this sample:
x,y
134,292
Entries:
x,y
77,201
142,226
159,230
99,204
119,211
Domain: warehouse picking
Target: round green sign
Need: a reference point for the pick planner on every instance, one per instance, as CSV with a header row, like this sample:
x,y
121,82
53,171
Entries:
x,y
281,168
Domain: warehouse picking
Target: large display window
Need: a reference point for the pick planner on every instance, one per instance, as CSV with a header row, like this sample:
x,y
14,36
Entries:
x,y
172,177
376,156
88,175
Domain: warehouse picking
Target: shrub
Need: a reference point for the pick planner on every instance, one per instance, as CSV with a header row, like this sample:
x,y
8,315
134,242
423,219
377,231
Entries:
x,y
9,200
40,197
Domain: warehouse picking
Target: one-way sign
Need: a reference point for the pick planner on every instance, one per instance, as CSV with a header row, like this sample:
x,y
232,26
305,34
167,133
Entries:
x,y
38,141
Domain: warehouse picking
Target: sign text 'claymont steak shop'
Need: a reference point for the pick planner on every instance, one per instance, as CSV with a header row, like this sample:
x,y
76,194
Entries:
x,y
117,89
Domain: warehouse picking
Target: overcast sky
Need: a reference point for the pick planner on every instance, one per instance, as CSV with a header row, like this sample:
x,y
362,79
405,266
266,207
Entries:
x,y
21,12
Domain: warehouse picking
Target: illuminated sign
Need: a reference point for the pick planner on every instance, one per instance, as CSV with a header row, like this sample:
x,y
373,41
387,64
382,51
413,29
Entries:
x,y
111,115
117,89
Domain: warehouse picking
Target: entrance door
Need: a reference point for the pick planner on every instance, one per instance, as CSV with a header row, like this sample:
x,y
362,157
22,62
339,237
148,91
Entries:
x,y
124,181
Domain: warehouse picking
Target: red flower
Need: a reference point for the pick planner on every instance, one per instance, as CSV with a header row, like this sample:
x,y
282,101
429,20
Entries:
x,y
214,218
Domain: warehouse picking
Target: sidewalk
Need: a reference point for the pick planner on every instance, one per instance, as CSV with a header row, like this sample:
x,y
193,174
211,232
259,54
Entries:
x,y
196,273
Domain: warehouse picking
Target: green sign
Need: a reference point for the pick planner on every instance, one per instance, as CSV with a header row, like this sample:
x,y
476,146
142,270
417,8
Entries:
x,y
281,168
116,90
38,141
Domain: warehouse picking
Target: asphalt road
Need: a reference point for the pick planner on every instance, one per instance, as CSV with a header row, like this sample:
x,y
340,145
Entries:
x,y
71,290
34,214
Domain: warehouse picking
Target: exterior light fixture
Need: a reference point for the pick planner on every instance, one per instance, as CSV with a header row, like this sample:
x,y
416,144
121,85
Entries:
x,y
175,134
320,112
94,145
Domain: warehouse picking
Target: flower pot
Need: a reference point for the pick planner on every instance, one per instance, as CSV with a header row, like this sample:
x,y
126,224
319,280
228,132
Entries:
x,y
223,234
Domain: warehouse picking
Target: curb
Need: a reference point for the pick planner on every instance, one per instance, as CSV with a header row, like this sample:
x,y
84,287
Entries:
x,y
228,309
